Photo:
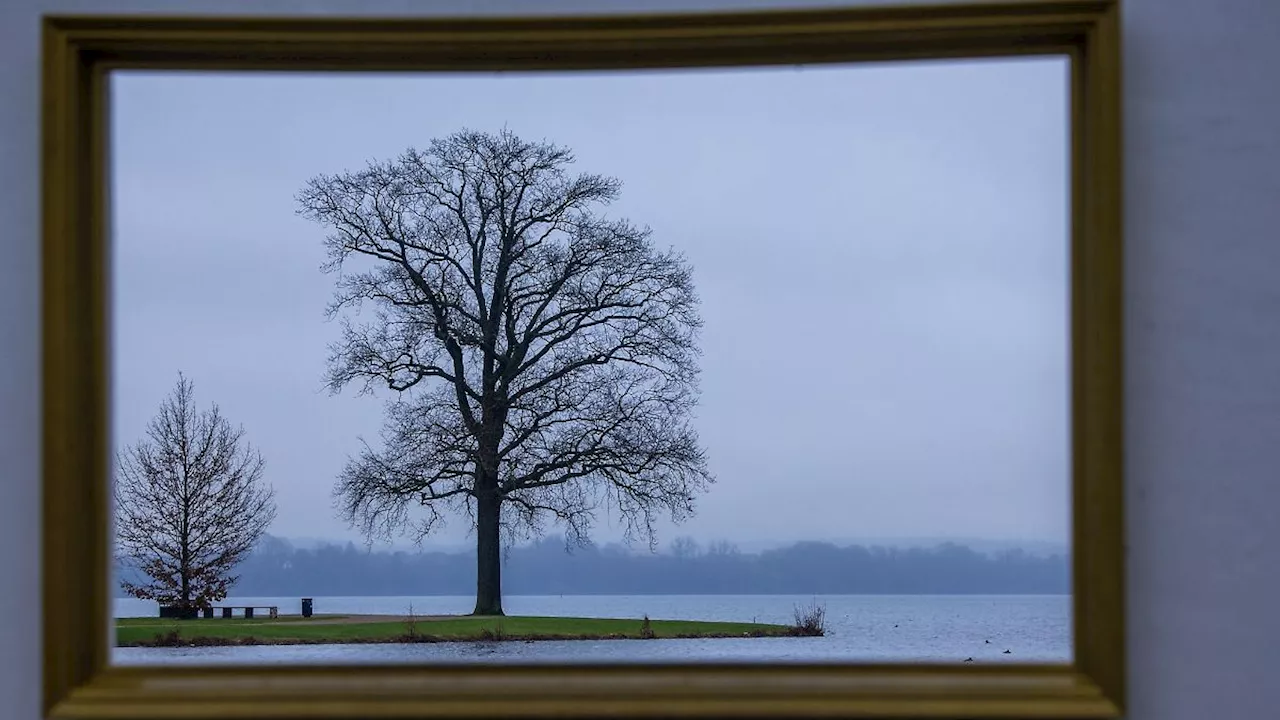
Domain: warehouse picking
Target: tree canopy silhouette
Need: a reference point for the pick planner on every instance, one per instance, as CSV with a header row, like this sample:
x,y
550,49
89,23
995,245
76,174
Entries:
x,y
190,504
544,354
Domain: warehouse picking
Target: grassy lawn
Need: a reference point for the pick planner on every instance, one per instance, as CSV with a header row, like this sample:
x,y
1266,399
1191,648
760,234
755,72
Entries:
x,y
288,630
167,623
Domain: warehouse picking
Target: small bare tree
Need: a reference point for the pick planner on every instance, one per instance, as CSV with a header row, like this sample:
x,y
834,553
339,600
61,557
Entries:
x,y
685,548
545,353
190,504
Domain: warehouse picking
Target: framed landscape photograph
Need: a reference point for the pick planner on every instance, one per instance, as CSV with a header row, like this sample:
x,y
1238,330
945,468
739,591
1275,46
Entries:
x,y
718,364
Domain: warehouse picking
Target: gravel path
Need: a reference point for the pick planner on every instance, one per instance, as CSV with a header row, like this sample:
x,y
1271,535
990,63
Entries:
x,y
321,620
356,619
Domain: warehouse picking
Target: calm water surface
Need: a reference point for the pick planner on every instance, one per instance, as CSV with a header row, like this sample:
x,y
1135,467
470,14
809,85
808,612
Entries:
x,y
871,628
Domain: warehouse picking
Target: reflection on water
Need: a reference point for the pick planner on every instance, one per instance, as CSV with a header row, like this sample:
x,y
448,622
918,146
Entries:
x,y
861,628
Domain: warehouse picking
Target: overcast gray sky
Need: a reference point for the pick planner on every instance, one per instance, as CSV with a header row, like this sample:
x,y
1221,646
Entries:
x,y
880,250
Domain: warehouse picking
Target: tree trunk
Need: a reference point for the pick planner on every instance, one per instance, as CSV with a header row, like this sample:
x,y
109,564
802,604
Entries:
x,y
185,572
488,554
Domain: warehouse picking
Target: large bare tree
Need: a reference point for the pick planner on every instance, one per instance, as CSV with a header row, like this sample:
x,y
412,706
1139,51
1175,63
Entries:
x,y
544,354
190,504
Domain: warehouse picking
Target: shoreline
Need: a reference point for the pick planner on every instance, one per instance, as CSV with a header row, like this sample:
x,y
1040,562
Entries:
x,y
251,641
391,629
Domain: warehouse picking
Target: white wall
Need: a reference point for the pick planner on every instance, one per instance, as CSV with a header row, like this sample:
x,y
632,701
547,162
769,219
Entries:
x,y
1203,221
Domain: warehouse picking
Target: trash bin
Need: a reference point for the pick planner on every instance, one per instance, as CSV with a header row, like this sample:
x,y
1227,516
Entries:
x,y
306,607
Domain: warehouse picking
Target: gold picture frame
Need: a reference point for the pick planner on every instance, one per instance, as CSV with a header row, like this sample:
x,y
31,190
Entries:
x,y
79,51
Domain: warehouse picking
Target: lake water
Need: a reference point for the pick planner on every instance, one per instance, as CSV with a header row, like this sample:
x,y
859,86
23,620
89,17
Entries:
x,y
860,628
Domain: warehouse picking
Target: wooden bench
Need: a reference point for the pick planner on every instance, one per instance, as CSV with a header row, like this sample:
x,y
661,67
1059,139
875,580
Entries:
x,y
227,610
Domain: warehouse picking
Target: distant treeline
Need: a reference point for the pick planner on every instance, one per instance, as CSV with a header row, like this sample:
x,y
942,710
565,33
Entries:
x,y
545,568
